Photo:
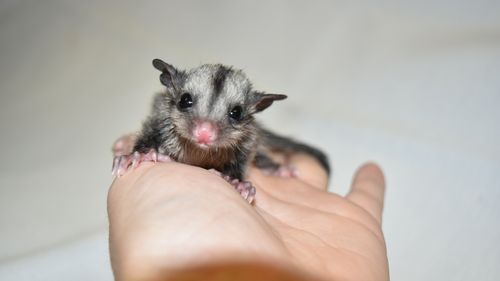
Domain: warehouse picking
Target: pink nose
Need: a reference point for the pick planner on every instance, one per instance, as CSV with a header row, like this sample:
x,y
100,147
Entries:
x,y
205,132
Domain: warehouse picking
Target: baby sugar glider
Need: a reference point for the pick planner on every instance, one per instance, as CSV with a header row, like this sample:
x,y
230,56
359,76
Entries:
x,y
205,117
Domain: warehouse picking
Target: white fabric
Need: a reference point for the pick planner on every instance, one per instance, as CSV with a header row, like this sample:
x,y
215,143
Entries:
x,y
412,85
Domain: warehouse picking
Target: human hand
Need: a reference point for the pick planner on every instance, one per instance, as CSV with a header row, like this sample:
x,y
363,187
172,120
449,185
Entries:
x,y
167,217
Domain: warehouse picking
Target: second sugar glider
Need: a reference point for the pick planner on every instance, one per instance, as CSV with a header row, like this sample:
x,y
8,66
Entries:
x,y
205,117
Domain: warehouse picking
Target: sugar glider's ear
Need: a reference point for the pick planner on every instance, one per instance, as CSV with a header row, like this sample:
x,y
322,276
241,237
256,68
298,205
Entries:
x,y
169,76
262,100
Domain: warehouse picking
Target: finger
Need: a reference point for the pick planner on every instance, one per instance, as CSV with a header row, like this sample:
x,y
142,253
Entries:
x,y
368,189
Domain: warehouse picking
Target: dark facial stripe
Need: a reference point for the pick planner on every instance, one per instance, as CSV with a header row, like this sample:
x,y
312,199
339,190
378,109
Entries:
x,y
220,77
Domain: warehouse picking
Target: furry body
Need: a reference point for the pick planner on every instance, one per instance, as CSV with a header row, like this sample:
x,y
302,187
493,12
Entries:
x,y
205,117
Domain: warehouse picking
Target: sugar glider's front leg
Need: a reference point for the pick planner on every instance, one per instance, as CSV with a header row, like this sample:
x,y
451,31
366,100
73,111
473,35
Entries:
x,y
234,171
126,155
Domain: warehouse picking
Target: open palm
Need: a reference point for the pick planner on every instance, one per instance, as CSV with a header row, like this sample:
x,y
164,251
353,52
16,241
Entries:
x,y
169,216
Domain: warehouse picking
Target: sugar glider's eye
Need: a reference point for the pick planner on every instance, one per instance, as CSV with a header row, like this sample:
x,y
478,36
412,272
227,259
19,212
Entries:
x,y
186,101
236,113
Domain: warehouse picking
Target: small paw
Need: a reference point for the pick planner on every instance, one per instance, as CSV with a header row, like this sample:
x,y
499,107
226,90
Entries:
x,y
121,163
244,188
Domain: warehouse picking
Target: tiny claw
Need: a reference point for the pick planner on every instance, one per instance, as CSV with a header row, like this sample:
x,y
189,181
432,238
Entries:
x,y
154,155
116,163
121,163
136,159
251,195
150,156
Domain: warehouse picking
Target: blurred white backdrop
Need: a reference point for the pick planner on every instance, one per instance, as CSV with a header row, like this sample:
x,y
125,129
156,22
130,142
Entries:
x,y
412,85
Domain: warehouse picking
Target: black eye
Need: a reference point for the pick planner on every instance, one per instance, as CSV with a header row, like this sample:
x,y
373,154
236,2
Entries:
x,y
236,113
186,101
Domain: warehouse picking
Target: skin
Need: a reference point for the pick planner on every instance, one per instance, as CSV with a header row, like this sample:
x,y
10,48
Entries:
x,y
170,221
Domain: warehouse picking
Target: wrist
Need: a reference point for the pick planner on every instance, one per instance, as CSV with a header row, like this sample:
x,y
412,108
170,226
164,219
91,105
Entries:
x,y
218,271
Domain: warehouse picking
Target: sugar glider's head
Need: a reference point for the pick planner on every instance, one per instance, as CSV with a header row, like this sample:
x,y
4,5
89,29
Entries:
x,y
211,105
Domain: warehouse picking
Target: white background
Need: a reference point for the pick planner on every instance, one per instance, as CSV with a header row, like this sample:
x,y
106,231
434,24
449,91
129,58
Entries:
x,y
412,85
